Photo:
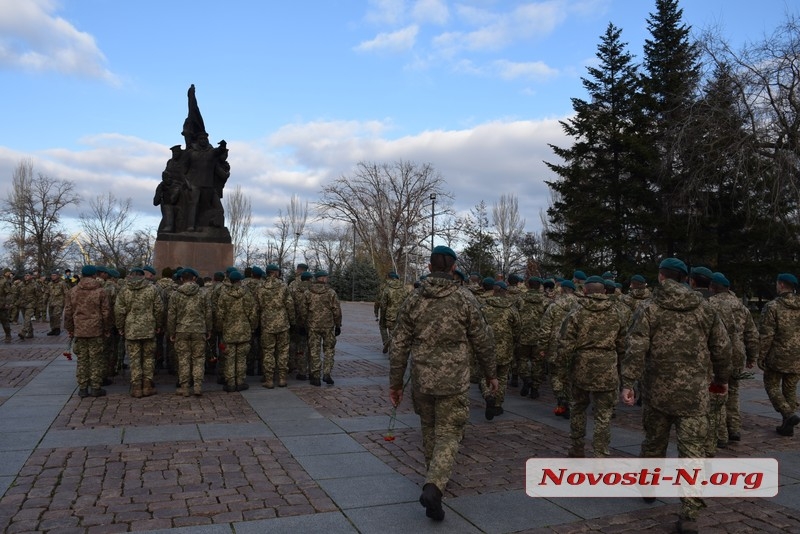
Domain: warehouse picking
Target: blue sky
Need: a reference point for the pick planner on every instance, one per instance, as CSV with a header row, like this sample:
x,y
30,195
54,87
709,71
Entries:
x,y
94,91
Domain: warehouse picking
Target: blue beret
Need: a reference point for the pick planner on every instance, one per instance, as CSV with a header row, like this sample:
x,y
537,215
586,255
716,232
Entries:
x,y
617,285
394,276
460,274
608,275
137,270
272,267
594,279
720,280
568,284
302,266
177,274
674,264
236,276
638,278
446,251
533,279
189,270
705,272
229,270
149,269
306,276
114,273
88,270
579,275
488,281
609,283
320,273
257,271
788,278
101,269
501,284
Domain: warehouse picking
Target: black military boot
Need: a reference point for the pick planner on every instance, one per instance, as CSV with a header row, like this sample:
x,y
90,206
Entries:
x,y
328,380
431,499
526,387
489,413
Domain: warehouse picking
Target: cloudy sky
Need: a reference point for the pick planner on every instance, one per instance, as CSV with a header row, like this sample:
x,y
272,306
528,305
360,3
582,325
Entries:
x,y
95,91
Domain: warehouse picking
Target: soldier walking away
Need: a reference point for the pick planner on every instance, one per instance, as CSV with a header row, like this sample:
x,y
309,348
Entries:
x,y
27,297
438,327
392,296
502,317
88,320
189,325
139,314
675,339
779,357
322,317
531,305
56,293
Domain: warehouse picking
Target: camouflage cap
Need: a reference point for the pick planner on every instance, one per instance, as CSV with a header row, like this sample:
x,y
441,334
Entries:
x,y
673,264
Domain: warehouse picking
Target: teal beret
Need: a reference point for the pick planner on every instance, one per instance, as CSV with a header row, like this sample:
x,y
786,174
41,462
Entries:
x,y
674,264
229,270
101,269
704,272
579,275
114,273
609,283
88,270
460,274
236,276
720,280
149,269
189,270
137,270
618,285
501,284
608,275
488,281
594,279
302,266
787,278
568,284
306,276
638,278
394,276
257,271
272,267
514,278
533,279
446,251
320,273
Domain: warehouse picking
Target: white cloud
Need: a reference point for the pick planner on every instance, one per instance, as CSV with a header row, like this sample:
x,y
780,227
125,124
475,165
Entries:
x,y
534,70
387,12
433,11
397,41
33,38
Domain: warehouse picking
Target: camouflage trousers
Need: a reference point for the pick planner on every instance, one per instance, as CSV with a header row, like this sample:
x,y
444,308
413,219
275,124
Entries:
x,y
385,333
190,351
27,321
91,366
298,351
443,420
733,418
531,364
691,436
321,341
141,353
502,378
4,320
235,361
604,402
274,353
782,390
55,311
717,427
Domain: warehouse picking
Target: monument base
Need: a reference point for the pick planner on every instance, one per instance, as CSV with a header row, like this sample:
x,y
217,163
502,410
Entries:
x,y
205,258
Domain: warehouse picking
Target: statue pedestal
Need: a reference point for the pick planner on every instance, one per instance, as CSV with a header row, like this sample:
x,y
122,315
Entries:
x,y
205,258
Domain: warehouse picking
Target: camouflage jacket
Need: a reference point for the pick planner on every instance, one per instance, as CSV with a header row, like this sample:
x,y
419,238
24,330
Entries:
x,y
675,342
551,323
634,297
139,310
780,334
6,294
392,297
503,319
740,326
236,314
276,306
188,311
321,309
27,295
56,292
439,327
531,306
296,289
87,311
591,341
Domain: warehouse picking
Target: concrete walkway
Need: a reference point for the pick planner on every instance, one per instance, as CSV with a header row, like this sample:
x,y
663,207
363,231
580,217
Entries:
x,y
312,459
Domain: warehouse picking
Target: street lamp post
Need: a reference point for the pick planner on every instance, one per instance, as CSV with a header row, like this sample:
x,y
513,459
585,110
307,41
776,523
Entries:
x,y
433,214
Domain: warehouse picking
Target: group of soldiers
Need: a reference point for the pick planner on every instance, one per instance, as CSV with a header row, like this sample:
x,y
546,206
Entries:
x,y
28,297
679,350
231,323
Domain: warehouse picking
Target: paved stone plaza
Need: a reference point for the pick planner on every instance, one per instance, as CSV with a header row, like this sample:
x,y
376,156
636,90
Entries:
x,y
313,459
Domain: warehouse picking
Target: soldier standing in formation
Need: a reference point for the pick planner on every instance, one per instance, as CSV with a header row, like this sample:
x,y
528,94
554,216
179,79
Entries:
x,y
88,320
6,303
27,297
56,293
502,317
235,318
322,318
277,317
189,325
298,343
438,327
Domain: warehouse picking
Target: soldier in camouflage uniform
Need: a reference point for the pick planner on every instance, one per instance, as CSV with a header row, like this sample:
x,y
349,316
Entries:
x,y
637,292
548,341
591,340
139,316
277,317
56,293
298,337
40,311
675,339
88,320
189,325
531,306
322,317
27,297
503,320
779,351
515,291
6,303
392,296
377,311
743,333
165,350
442,326
236,318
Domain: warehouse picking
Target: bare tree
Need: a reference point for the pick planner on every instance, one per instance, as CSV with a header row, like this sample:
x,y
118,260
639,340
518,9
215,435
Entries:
x,y
108,229
239,217
389,205
298,214
278,240
329,248
509,227
32,211
139,248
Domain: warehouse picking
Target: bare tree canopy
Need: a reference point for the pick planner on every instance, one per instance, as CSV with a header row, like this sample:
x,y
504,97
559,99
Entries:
x,y
107,228
240,215
298,214
32,211
389,203
509,227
